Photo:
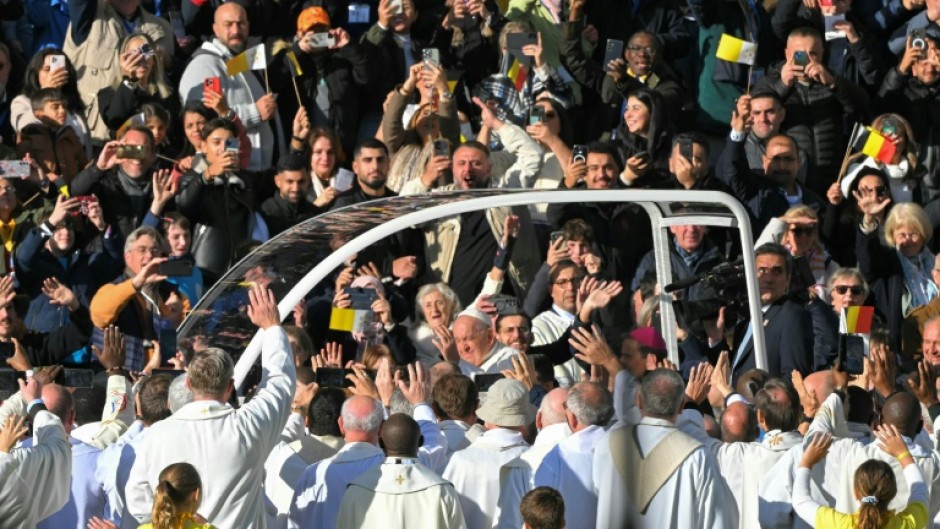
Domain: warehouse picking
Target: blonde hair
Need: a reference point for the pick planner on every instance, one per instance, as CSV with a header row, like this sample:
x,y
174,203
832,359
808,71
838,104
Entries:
x,y
176,484
374,354
908,215
156,82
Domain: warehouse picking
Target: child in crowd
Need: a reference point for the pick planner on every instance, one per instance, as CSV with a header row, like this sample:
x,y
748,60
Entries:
x,y
179,236
178,495
52,144
543,508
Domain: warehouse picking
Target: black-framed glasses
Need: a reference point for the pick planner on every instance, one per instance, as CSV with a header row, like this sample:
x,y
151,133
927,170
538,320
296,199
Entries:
x,y
636,49
856,290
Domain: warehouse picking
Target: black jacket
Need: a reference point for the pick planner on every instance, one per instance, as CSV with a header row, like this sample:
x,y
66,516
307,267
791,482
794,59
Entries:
x,y
279,214
815,117
763,200
885,279
222,213
119,209
119,104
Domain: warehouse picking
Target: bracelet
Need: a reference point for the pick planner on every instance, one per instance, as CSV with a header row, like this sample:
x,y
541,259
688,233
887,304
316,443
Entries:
x,y
903,455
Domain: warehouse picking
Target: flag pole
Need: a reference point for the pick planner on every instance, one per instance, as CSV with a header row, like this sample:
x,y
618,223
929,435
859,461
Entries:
x,y
848,151
750,74
296,90
267,85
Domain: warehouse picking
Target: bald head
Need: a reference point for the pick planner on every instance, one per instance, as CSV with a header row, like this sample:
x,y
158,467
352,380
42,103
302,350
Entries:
x,y
738,423
231,26
822,383
59,402
552,409
361,418
401,436
902,411
440,369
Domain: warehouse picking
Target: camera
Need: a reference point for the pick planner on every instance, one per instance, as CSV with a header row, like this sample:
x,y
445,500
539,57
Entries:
x,y
505,304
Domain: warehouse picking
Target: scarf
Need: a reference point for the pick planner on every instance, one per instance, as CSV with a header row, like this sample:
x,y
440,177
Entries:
x,y
409,163
138,190
917,277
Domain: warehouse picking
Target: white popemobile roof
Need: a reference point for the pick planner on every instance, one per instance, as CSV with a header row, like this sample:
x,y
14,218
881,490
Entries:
x,y
296,261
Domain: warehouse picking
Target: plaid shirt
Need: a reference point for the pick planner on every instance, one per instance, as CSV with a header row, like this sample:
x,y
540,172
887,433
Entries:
x,y
513,104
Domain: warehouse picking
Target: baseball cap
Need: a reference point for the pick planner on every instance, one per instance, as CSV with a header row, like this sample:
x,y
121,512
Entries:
x,y
311,17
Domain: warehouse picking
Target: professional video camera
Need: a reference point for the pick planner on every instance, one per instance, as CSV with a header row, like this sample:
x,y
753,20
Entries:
x,y
722,286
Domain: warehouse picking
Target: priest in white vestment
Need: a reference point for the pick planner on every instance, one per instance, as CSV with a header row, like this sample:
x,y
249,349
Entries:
x,y
319,492
650,475
517,476
744,464
835,484
568,467
475,470
227,446
401,493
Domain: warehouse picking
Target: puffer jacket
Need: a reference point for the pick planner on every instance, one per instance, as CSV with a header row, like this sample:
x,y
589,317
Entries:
x,y
815,117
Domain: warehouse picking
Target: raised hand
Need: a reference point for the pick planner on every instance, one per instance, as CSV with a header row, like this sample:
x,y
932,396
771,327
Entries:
x,y
262,308
112,353
444,341
523,370
721,375
926,387
816,450
59,294
13,431
808,398
699,382
593,349
418,390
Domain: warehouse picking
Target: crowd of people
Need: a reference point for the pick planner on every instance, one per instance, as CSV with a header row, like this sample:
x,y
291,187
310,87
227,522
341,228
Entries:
x,y
506,368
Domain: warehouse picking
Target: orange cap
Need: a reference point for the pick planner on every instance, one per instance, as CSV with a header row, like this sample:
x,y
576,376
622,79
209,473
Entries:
x,y
311,17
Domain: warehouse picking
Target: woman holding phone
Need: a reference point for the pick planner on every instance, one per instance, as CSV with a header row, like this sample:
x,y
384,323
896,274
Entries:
x,y
644,139
51,68
142,81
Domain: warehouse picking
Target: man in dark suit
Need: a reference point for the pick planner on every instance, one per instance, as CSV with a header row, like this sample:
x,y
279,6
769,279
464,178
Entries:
x,y
788,327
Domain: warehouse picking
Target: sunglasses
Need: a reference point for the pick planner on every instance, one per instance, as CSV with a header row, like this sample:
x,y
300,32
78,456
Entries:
x,y
804,232
879,191
856,290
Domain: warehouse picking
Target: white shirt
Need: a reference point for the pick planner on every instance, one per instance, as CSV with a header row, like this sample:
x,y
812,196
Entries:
x,y
401,493
114,467
228,447
459,435
475,471
497,359
694,496
569,469
547,327
285,466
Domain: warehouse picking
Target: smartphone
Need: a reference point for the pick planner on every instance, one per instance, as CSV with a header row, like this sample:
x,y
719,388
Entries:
x,y
536,115
84,201
6,351
76,378
643,156
685,149
484,381
172,373
800,58
517,41
579,153
231,145
168,346
176,268
322,40
361,298
431,56
505,304
852,353
131,152
919,38
335,377
397,7
614,51
441,147
55,62
212,84
888,126
557,235
14,168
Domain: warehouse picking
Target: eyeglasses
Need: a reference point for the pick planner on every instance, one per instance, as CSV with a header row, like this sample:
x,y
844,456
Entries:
x,y
647,49
550,115
856,290
573,281
154,252
803,232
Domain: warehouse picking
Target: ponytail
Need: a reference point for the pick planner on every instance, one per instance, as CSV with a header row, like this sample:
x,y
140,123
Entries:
x,y
875,486
171,502
164,508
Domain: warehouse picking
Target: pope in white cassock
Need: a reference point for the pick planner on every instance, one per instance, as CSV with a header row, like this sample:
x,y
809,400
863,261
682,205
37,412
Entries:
x,y
401,493
649,475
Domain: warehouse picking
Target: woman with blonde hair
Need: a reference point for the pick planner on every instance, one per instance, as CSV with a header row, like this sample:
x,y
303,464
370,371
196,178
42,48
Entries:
x,y
142,81
178,495
797,230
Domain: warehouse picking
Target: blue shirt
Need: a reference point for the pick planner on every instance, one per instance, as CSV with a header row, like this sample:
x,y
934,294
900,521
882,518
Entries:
x,y
86,498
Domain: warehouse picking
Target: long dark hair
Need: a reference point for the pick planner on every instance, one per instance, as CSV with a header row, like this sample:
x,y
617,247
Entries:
x,y
659,131
69,89
875,481
566,129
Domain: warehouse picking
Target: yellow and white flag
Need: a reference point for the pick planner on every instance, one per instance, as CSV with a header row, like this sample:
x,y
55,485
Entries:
x,y
733,49
253,58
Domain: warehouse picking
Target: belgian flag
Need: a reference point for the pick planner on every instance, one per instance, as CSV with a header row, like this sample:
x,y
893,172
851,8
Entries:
x,y
872,143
